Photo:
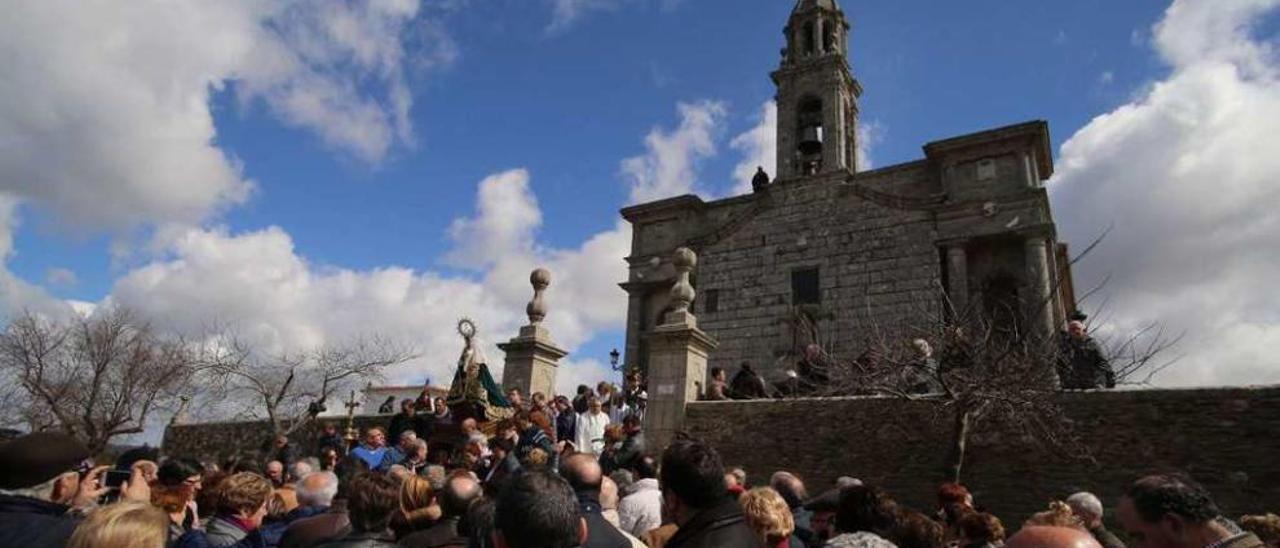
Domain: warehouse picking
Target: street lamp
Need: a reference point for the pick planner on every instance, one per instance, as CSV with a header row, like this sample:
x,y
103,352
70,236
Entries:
x,y
616,367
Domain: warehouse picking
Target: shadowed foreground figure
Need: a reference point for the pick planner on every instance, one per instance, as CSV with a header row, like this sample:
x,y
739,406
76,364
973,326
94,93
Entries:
x,y
1175,512
1040,536
537,509
695,497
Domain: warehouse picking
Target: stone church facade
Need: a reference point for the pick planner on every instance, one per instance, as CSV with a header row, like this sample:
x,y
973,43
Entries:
x,y
848,249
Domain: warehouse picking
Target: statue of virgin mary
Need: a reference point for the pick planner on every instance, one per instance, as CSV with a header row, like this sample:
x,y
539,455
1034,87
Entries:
x,y
473,392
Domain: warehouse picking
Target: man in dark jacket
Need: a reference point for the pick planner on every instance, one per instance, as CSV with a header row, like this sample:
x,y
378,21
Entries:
x,y
329,437
585,476
45,476
371,497
566,420
1081,363
409,419
538,509
459,492
694,495
747,385
281,450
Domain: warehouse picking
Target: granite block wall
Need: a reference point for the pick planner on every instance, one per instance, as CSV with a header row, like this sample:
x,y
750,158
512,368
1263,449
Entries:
x,y
1228,439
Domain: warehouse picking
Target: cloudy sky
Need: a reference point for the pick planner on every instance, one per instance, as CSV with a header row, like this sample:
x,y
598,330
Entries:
x,y
312,171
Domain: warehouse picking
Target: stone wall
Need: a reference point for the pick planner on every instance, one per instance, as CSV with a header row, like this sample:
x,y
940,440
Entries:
x,y
216,441
883,244
874,264
1225,438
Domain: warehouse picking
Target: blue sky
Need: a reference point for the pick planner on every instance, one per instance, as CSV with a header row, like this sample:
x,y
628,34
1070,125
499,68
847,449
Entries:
x,y
500,85
569,104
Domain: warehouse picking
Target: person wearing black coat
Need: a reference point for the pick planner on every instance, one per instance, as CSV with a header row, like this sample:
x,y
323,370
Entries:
x,y
692,479
747,385
409,419
1081,362
585,477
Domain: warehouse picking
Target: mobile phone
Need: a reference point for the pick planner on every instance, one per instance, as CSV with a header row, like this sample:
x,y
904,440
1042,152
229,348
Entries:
x,y
114,479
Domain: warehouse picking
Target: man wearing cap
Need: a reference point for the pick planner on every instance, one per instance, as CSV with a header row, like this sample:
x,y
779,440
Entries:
x,y
46,483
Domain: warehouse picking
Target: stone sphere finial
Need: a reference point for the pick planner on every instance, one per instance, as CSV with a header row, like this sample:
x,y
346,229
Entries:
x,y
540,278
682,292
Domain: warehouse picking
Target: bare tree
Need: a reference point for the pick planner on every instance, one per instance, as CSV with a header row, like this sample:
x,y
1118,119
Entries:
x,y
982,370
290,389
95,377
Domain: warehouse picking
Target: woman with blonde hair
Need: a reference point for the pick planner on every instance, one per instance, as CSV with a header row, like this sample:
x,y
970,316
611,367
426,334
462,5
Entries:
x,y
123,525
769,516
418,509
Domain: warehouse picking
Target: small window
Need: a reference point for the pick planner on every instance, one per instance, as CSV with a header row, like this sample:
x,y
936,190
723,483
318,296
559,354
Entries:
x,y
804,286
711,301
986,169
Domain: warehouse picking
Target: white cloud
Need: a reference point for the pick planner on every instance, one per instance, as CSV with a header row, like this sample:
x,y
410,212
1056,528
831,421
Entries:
x,y
64,277
669,166
869,134
564,13
759,148
1186,175
507,215
259,283
105,107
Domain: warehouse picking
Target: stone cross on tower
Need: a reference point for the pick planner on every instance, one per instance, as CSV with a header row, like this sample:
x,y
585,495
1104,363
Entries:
x,y
531,357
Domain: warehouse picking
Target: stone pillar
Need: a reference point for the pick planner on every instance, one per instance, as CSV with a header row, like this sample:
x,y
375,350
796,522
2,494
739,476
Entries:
x,y
678,353
958,277
1040,297
531,357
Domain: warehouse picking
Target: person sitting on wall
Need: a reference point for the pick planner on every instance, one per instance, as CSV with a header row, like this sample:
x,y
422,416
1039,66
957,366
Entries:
x,y
920,375
747,384
811,372
1081,362
718,386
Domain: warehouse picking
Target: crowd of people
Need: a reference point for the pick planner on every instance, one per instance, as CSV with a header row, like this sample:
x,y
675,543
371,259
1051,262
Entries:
x,y
561,473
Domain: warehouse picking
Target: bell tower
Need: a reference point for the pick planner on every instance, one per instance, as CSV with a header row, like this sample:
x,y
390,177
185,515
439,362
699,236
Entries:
x,y
817,95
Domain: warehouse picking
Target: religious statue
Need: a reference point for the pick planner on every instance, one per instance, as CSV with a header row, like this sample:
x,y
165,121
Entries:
x,y
473,393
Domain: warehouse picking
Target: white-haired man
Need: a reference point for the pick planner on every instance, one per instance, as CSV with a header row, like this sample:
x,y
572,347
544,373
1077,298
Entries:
x,y
315,494
1088,508
299,470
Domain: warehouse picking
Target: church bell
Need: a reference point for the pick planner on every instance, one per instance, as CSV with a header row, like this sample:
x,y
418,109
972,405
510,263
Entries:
x,y
811,140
